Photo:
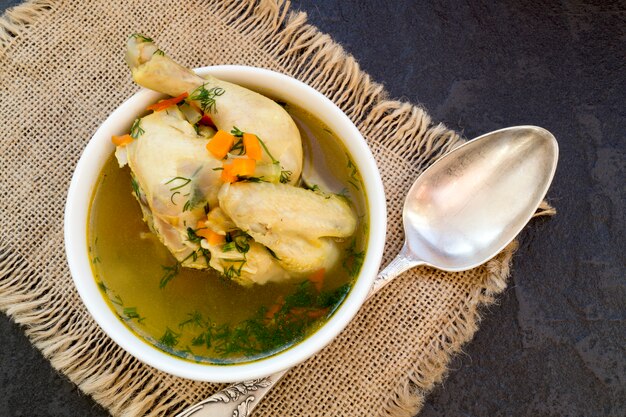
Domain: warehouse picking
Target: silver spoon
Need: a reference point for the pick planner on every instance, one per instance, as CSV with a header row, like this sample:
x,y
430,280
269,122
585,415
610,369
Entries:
x,y
459,213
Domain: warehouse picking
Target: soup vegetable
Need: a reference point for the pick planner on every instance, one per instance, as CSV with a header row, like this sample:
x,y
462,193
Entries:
x,y
241,244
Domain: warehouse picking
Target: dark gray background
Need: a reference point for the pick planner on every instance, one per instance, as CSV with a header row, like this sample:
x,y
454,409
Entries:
x,y
555,345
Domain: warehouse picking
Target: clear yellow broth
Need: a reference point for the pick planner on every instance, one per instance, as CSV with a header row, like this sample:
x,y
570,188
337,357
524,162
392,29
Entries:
x,y
202,316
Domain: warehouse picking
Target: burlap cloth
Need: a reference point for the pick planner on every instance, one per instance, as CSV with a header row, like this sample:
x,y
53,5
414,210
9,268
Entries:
x,y
62,73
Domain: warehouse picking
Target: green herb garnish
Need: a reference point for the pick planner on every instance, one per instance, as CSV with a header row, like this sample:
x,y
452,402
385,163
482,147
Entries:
x,y
192,236
184,181
285,176
142,38
245,178
268,331
236,132
135,185
273,254
169,273
354,259
207,97
117,300
169,338
136,130
354,179
131,313
195,320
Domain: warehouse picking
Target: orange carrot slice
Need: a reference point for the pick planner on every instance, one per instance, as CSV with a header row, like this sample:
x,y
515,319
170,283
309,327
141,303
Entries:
x,y
252,146
220,144
317,278
275,308
243,167
121,140
227,173
316,314
212,237
164,104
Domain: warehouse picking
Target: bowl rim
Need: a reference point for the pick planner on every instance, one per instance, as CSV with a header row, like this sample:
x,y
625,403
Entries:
x,y
80,193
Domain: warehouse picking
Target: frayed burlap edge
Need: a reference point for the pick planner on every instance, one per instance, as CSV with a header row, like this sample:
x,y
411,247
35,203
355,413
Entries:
x,y
323,64
17,19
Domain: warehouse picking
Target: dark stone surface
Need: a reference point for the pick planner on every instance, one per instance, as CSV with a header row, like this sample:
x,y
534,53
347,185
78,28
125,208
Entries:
x,y
555,345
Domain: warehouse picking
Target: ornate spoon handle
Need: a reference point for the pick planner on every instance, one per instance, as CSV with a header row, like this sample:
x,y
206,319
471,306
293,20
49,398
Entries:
x,y
239,399
236,400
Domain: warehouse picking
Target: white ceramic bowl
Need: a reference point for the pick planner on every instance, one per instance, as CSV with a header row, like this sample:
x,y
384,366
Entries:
x,y
100,148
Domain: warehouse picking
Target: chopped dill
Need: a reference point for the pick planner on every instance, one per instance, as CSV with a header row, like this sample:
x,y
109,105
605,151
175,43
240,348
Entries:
x,y
354,174
207,97
313,187
203,338
131,313
274,161
117,300
205,253
159,52
192,236
241,242
354,259
169,338
238,146
184,180
135,185
234,269
95,260
102,287
285,176
136,130
269,330
235,131
273,254
228,247
245,178
142,38
195,320
169,272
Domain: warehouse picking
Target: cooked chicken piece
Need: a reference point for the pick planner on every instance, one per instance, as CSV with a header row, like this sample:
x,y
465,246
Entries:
x,y
255,266
300,226
289,231
229,105
175,177
243,260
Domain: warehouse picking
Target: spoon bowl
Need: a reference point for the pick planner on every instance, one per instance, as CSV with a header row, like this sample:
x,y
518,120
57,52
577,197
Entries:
x,y
472,202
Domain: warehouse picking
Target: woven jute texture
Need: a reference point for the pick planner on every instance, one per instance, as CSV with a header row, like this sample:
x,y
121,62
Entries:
x,y
62,72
